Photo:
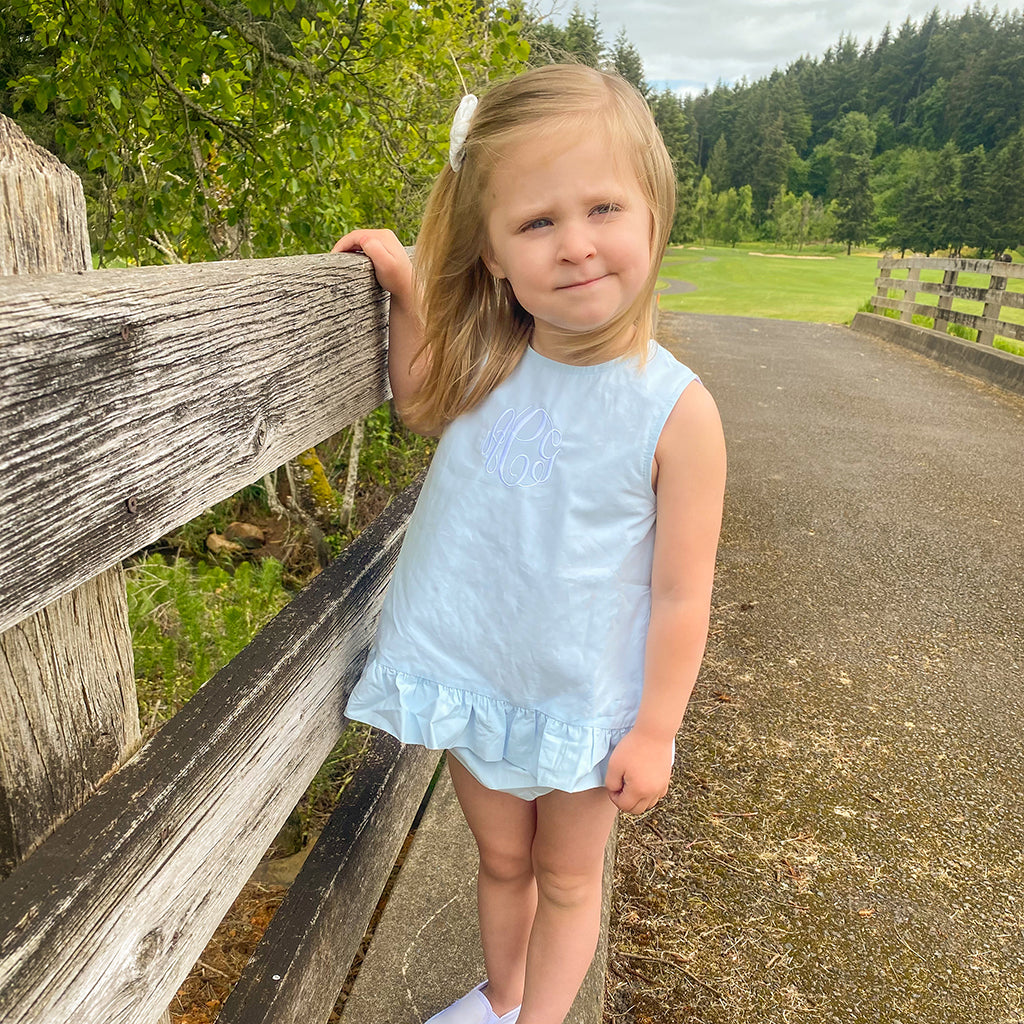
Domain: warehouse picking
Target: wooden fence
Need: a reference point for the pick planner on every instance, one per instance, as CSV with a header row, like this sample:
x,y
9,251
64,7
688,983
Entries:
x,y
996,297
130,401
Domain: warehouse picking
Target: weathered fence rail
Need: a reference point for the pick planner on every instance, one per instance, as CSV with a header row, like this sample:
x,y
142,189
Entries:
x,y
995,297
105,919
129,402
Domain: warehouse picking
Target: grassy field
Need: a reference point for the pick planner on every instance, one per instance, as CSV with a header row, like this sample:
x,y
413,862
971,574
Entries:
x,y
758,279
820,284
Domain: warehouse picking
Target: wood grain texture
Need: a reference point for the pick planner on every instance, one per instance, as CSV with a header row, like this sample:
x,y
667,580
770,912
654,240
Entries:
x,y
994,267
982,324
299,967
105,919
132,400
68,710
43,224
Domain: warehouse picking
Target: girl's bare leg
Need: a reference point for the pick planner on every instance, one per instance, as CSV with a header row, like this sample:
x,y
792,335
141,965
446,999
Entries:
x,y
504,827
568,862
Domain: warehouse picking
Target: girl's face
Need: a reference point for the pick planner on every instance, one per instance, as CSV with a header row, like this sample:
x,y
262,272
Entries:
x,y
568,227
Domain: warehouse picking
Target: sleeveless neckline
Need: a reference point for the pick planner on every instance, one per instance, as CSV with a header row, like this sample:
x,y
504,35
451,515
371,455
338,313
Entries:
x,y
579,368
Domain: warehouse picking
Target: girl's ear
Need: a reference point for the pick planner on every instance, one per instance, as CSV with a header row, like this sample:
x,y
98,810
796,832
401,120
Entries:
x,y
493,266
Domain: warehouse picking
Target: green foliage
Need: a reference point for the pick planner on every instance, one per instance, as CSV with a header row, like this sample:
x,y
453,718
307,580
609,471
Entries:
x,y
731,221
717,170
950,84
853,145
671,122
797,220
391,456
961,331
704,206
189,620
626,61
190,614
1002,200
253,129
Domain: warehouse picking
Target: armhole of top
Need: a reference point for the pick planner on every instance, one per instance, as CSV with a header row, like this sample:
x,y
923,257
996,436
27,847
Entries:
x,y
658,421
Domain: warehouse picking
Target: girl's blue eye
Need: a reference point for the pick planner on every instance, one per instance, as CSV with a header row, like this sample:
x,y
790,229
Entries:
x,y
540,222
607,208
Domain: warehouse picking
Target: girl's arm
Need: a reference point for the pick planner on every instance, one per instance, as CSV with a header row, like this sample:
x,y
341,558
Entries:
x,y
690,467
393,268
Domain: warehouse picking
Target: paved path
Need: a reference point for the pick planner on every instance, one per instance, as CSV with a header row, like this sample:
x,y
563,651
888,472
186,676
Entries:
x,y
676,287
846,841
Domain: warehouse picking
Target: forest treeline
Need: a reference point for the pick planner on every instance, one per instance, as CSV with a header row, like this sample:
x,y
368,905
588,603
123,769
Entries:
x,y
205,129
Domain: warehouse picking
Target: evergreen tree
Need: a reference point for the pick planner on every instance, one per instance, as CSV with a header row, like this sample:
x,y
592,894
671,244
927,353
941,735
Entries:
x,y
580,39
1002,201
973,183
626,60
953,203
671,122
704,208
718,166
733,217
854,145
583,37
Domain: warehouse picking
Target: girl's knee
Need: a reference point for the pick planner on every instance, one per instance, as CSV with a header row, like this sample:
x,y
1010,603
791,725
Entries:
x,y
508,863
566,886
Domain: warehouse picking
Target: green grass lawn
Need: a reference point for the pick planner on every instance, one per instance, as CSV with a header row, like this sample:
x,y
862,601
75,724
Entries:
x,y
733,281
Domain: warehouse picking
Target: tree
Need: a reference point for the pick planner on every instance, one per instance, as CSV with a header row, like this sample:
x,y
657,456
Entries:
x,y
973,182
671,121
256,128
854,143
626,60
718,166
1002,200
920,206
704,207
785,217
584,38
581,39
733,218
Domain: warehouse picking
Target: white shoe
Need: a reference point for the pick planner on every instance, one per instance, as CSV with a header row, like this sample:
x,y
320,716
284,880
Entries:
x,y
473,1008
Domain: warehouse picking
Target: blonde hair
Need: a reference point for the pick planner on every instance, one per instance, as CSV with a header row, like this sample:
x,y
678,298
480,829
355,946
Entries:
x,y
474,329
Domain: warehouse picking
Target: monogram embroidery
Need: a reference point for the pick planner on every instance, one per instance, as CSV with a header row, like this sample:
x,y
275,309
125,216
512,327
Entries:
x,y
521,447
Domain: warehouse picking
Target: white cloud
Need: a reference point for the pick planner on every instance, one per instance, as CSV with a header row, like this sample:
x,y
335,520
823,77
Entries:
x,y
698,44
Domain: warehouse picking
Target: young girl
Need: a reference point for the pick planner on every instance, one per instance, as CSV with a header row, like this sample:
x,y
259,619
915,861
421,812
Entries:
x,y
549,609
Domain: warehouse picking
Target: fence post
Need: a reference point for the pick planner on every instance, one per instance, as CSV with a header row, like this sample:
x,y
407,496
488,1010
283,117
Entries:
x,y
910,292
68,706
949,279
993,306
884,279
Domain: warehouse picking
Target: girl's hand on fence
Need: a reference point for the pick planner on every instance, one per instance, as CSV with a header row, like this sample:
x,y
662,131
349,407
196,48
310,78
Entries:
x,y
639,771
391,262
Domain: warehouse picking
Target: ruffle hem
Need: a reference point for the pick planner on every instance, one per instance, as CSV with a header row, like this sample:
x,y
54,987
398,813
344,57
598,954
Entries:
x,y
508,748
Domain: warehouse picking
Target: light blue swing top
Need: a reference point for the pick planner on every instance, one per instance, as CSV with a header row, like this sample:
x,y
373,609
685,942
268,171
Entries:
x,y
514,628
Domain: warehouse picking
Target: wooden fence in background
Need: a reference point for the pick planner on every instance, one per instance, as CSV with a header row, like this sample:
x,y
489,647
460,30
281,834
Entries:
x,y
130,401
996,297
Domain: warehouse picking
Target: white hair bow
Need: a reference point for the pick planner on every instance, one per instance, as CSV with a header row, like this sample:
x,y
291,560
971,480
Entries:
x,y
460,129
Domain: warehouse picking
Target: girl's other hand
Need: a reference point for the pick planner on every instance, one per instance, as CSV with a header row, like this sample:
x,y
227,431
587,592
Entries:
x,y
391,262
639,771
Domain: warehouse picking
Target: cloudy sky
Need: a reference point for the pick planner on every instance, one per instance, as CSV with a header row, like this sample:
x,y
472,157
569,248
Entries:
x,y
686,44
